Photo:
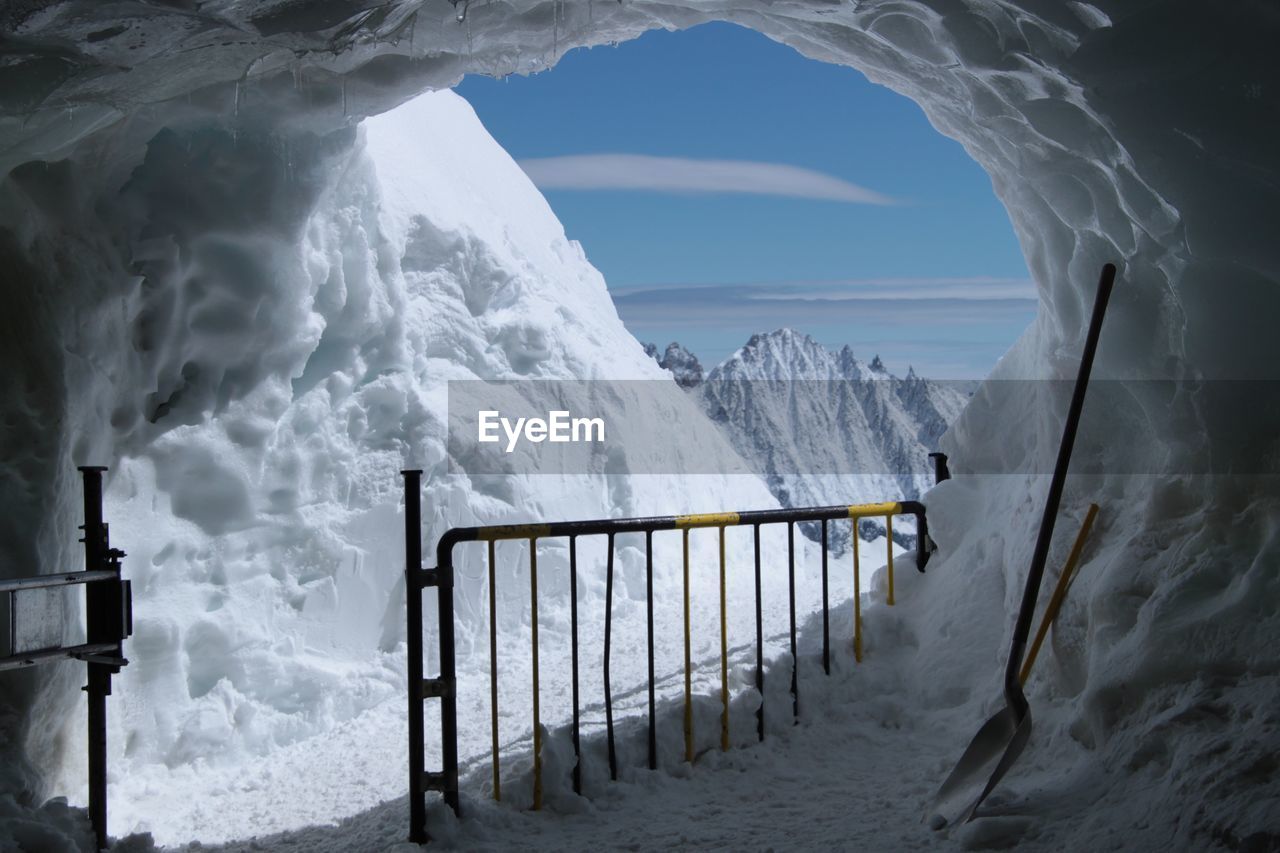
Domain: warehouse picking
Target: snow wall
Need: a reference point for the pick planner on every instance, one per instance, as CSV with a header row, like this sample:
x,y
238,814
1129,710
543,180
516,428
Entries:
x,y
168,175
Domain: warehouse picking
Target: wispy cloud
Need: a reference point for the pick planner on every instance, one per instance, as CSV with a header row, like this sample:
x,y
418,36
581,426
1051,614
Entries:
x,y
896,289
682,175
945,327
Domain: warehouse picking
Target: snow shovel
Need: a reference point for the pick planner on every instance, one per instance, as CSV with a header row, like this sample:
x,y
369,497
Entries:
x,y
1002,738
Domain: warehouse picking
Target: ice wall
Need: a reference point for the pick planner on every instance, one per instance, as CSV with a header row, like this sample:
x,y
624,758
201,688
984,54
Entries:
x,y
1138,133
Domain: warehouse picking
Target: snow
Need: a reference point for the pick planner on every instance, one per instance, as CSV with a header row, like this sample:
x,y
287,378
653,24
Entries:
x,y
205,271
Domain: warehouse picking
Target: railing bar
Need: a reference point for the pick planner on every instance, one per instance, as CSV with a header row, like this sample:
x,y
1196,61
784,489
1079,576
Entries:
x,y
608,695
888,536
537,723
38,656
724,654
791,591
493,670
648,580
826,606
61,579
672,522
759,640
573,622
688,662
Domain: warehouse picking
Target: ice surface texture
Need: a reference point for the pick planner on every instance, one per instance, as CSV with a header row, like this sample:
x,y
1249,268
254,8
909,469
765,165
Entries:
x,y
176,225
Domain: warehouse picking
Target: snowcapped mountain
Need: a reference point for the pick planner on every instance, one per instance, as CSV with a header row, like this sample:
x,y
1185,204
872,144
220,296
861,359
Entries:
x,y
824,428
683,364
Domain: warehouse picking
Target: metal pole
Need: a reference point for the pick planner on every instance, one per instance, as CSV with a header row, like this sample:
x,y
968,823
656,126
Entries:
x,y
888,535
573,622
608,693
493,671
97,622
413,607
826,606
940,470
449,682
759,640
688,660
857,598
648,580
791,589
537,722
724,654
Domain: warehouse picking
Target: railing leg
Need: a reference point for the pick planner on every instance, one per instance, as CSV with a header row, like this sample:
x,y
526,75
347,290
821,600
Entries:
x,y
759,639
449,678
537,722
791,590
688,660
857,598
888,535
608,693
573,627
98,599
493,671
413,609
724,654
648,586
826,606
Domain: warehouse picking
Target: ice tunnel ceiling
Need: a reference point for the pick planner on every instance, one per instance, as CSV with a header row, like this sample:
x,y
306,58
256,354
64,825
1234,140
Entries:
x,y
1108,128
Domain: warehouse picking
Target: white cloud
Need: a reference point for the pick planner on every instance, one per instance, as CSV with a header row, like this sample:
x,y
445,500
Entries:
x,y
683,175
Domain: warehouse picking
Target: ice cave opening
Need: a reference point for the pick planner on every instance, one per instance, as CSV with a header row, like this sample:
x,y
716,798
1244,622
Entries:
x,y
247,308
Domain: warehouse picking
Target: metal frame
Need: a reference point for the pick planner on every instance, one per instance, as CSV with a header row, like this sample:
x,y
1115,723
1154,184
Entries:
x,y
108,622
444,687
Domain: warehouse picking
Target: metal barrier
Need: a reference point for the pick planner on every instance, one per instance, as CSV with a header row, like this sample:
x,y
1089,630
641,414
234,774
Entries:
x,y
108,621
444,686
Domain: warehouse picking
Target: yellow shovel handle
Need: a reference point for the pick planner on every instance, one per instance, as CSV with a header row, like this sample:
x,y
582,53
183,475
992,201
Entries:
x,y
1059,592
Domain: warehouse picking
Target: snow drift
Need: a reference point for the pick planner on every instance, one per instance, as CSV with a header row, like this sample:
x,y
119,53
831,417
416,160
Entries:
x,y
1135,134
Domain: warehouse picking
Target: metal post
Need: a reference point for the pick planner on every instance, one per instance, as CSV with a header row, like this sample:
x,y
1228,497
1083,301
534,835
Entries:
x,y
759,641
940,470
493,672
888,536
724,654
608,693
413,607
537,722
98,619
449,682
826,606
688,660
648,580
573,622
857,598
791,589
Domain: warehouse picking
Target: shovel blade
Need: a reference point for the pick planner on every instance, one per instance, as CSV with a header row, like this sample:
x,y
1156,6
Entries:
x,y
988,757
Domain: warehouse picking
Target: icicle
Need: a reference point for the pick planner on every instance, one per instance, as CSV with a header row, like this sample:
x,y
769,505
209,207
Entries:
x,y
344,94
235,108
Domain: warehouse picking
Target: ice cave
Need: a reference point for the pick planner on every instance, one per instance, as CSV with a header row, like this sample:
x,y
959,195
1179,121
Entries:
x,y
241,280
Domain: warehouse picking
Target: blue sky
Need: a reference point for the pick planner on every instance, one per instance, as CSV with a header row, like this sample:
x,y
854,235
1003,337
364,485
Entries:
x,y
726,185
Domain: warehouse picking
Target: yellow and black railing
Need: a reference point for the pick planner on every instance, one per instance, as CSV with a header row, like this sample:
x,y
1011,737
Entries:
x,y
444,686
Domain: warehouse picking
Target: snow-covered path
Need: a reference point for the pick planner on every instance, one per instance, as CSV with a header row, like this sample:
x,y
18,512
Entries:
x,y
852,775
856,773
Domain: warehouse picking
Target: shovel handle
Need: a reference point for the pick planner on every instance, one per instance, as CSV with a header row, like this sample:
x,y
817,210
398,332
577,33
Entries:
x,y
1012,686
1059,593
